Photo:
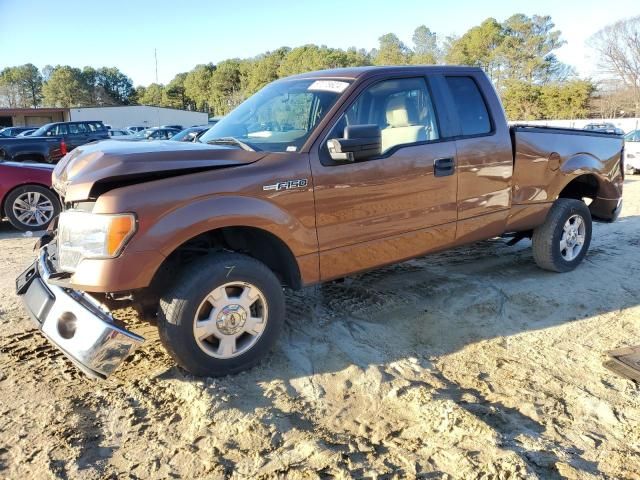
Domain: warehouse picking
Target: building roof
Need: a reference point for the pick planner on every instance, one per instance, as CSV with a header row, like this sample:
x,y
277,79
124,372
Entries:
x,y
26,111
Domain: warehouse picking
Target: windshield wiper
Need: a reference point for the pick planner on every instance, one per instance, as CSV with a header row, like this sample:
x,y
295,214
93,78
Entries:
x,y
231,141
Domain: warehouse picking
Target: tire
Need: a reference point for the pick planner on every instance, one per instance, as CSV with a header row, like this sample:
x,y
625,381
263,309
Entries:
x,y
20,201
196,302
548,238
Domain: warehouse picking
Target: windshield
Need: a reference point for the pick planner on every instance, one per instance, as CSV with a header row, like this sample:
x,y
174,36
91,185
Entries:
x,y
144,133
280,117
41,131
186,134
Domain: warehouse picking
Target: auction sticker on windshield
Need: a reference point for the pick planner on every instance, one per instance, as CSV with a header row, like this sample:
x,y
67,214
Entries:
x,y
328,86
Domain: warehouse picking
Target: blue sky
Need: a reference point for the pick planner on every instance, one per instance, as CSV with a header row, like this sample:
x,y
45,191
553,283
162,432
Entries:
x,y
187,32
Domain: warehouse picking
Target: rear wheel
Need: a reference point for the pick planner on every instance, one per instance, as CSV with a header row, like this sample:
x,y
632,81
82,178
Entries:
x,y
222,314
31,207
562,241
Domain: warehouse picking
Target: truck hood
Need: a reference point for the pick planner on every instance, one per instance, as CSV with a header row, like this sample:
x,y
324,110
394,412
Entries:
x,y
92,169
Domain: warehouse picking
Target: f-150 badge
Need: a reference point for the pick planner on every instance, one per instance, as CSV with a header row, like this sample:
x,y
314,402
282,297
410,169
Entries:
x,y
287,185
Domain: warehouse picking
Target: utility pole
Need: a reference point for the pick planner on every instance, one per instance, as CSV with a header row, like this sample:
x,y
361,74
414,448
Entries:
x,y
155,55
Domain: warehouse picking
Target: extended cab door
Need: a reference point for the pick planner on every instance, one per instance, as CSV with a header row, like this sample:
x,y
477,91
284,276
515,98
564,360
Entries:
x,y
485,156
395,206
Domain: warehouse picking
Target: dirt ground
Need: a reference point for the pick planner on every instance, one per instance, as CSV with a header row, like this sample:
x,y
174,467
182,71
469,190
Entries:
x,y
468,364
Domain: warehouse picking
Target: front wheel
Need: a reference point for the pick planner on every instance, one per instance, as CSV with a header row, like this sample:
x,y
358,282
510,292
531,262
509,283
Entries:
x,y
562,241
222,314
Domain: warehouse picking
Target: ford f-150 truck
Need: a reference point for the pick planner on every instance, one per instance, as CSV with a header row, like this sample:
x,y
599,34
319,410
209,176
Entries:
x,y
316,177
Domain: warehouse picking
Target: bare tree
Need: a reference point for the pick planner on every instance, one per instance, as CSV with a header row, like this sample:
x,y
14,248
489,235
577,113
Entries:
x,y
618,47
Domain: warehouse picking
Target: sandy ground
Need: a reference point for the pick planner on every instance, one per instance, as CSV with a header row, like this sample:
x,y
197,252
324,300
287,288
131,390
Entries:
x,y
469,364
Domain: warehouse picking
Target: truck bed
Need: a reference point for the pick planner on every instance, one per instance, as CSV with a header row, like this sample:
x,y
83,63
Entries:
x,y
548,159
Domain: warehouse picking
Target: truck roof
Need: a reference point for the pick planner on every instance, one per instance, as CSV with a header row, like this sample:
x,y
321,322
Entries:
x,y
361,72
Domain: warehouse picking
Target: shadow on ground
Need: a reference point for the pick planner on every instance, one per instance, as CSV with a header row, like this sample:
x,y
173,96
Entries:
x,y
421,310
430,307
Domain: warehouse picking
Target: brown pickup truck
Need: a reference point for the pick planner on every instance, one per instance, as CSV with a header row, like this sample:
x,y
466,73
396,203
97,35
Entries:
x,y
315,177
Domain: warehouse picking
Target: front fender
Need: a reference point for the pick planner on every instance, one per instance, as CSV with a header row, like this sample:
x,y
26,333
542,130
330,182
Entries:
x,y
190,220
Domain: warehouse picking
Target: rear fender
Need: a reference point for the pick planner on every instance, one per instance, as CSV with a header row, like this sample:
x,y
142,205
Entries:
x,y
606,172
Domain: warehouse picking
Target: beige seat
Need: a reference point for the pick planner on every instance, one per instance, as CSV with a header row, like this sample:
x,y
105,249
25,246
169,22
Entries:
x,y
400,129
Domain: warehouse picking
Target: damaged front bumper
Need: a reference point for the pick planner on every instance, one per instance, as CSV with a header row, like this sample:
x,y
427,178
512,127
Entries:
x,y
75,322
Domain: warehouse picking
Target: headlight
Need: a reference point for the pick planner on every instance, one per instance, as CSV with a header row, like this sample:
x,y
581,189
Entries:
x,y
92,235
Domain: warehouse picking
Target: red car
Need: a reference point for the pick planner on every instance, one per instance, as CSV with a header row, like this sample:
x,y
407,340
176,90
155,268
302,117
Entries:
x,y
26,197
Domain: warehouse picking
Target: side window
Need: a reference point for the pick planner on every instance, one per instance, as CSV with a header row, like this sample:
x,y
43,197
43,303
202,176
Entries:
x,y
60,129
82,128
402,108
472,111
73,128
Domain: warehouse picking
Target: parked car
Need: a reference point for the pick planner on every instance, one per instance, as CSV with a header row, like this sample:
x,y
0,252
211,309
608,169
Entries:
x,y
359,168
13,131
177,127
26,198
136,128
604,128
51,141
632,151
28,149
155,133
119,133
26,133
190,134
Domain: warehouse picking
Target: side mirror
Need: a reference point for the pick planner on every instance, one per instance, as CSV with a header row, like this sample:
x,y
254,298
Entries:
x,y
360,142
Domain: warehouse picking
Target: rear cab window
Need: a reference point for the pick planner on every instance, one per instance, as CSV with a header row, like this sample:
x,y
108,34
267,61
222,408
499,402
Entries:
x,y
94,126
470,106
77,128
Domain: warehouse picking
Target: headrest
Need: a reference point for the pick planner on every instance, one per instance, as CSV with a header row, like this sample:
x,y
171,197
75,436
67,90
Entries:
x,y
397,114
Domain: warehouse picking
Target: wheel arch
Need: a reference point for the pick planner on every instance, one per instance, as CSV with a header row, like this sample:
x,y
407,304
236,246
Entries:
x,y
580,186
255,242
601,194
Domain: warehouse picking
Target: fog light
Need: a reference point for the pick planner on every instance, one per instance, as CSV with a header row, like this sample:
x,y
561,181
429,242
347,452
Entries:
x,y
67,325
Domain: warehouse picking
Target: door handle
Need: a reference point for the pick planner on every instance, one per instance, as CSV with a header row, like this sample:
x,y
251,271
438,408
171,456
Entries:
x,y
443,167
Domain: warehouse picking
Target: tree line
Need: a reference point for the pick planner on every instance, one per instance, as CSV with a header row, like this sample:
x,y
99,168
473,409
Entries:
x,y
25,86
518,54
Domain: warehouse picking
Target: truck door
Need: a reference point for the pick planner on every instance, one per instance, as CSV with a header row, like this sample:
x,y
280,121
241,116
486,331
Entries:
x,y
485,157
77,135
398,205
